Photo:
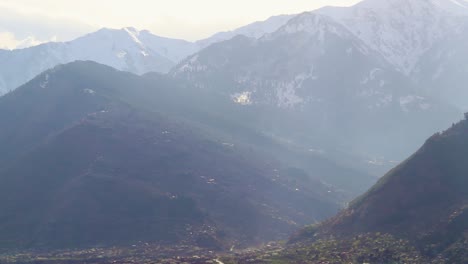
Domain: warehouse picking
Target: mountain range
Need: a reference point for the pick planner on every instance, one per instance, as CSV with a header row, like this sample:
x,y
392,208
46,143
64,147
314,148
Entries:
x,y
127,49
379,24
88,151
321,79
399,72
123,136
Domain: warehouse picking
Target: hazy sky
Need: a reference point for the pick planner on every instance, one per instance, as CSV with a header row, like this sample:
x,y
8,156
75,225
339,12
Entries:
x,y
26,22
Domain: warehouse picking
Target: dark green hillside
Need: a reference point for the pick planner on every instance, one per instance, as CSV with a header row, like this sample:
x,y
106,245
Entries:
x,y
424,200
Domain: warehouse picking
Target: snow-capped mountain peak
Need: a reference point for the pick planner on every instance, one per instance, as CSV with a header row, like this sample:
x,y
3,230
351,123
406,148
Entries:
x,y
127,49
400,30
254,30
312,23
414,7
119,48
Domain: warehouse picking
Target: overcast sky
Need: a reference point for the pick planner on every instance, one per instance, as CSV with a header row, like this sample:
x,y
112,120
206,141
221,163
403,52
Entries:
x,y
27,22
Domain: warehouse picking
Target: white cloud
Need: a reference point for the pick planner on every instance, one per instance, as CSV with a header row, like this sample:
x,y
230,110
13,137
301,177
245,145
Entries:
x,y
185,19
9,41
22,29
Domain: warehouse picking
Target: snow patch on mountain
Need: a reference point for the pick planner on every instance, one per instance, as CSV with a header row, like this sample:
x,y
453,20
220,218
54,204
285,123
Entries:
x,y
413,100
286,95
242,98
133,33
89,91
193,65
45,82
385,100
121,54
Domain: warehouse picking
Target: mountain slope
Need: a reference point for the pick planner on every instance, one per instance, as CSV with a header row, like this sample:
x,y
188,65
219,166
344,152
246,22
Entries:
x,y
442,70
91,159
254,30
417,213
425,199
384,26
319,79
103,181
422,39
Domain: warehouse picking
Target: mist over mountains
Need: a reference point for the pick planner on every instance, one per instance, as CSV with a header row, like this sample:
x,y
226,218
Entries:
x,y
424,200
127,49
121,137
378,24
95,160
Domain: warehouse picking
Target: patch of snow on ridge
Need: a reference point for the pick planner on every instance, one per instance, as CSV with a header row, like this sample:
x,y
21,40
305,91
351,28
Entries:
x,y
384,101
121,54
89,91
419,101
286,91
192,65
424,106
242,98
387,99
286,94
300,78
44,83
133,33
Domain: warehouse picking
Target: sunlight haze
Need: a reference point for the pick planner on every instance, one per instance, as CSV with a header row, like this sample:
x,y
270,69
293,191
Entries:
x,y
26,22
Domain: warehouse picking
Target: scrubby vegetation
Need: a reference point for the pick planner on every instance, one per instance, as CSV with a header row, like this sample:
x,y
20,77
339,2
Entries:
x,y
372,248
424,200
367,248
